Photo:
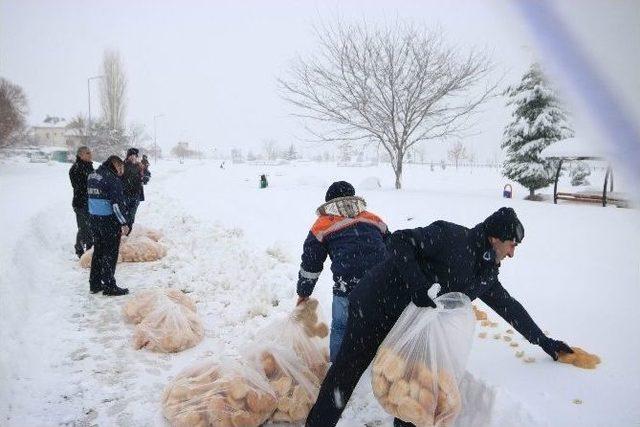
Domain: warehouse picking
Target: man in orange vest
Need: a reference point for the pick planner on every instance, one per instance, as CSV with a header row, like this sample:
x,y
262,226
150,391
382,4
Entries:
x,y
354,239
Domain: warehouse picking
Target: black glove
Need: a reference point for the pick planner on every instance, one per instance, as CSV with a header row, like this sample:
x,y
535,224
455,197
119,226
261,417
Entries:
x,y
421,298
552,347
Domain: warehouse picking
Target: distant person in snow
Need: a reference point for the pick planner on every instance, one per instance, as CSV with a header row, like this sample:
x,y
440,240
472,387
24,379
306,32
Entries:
x,y
132,184
460,260
145,174
354,239
263,181
78,174
108,223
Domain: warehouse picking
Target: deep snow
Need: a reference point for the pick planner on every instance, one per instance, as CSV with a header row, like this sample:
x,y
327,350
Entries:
x,y
67,357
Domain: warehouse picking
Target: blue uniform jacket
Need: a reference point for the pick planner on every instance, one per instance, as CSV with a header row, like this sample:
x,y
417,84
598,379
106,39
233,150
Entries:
x,y
353,244
104,189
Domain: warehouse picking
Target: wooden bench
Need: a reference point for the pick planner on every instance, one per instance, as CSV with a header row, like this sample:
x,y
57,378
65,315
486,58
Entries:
x,y
592,198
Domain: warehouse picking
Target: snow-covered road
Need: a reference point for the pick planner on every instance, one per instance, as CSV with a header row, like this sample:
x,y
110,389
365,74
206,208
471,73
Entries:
x,y
67,359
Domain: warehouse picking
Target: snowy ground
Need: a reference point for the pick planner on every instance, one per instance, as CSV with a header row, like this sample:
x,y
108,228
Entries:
x,y
66,356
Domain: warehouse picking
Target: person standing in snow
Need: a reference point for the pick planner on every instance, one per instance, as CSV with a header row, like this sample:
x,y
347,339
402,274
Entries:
x,y
145,174
78,174
354,239
460,260
132,183
108,223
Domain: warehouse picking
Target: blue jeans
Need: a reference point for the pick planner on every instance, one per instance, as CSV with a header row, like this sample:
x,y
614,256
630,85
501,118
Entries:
x,y
339,316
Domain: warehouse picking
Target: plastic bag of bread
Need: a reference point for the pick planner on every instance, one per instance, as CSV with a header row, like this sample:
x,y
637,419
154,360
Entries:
x,y
141,249
132,249
140,230
296,387
169,328
144,302
219,394
305,333
418,366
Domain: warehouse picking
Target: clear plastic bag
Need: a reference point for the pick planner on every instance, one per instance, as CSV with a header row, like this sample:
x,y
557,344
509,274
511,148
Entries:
x,y
169,328
219,394
420,363
132,249
140,230
141,249
144,302
296,387
304,332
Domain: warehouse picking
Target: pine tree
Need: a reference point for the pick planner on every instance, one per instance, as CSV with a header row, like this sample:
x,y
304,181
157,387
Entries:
x,y
291,153
579,173
538,121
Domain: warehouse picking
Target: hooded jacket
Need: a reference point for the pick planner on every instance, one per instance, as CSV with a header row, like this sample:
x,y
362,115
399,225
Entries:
x,y
354,244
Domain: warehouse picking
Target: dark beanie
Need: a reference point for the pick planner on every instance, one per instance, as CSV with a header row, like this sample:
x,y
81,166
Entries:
x,y
505,225
132,151
339,189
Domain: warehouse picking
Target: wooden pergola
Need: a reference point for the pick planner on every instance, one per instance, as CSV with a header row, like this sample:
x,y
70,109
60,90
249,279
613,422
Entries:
x,y
562,156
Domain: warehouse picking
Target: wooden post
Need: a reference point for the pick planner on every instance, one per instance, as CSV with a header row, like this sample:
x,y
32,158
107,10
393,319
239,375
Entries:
x,y
555,184
604,190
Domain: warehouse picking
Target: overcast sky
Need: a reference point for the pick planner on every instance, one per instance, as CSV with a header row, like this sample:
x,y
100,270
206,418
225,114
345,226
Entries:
x,y
210,67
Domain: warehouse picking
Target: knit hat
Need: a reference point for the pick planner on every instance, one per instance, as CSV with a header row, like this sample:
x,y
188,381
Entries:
x,y
339,189
505,225
132,151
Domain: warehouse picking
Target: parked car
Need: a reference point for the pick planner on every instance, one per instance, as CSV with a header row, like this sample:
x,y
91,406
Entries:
x,y
38,157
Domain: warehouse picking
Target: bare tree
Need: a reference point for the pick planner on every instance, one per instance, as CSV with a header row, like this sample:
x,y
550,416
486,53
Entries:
x,y
271,150
457,152
398,86
113,87
137,135
13,111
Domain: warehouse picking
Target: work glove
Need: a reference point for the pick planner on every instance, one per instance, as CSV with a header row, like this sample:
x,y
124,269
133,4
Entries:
x,y
421,298
552,347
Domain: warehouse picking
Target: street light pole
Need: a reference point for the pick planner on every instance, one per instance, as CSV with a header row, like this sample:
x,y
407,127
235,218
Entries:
x,y
89,97
155,142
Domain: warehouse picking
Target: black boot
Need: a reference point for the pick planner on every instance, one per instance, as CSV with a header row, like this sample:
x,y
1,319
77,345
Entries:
x,y
399,423
95,289
115,291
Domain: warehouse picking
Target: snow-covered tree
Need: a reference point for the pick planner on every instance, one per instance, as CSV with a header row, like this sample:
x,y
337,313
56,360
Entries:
x,y
291,153
399,86
579,173
538,121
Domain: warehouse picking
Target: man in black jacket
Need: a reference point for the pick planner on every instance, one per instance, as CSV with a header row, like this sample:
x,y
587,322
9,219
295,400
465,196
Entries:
x,y
132,183
460,260
78,174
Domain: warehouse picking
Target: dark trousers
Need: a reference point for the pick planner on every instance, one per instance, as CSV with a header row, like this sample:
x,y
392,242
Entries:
x,y
374,307
106,243
132,208
84,238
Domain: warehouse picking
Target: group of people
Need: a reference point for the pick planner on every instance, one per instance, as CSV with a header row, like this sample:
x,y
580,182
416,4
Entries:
x,y
376,274
105,202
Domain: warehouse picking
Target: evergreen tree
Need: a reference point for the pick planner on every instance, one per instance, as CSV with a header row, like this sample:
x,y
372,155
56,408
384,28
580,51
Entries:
x,y
579,173
291,153
538,121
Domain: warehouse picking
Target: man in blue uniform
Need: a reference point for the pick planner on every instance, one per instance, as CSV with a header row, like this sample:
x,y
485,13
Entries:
x,y
108,223
460,260
354,239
